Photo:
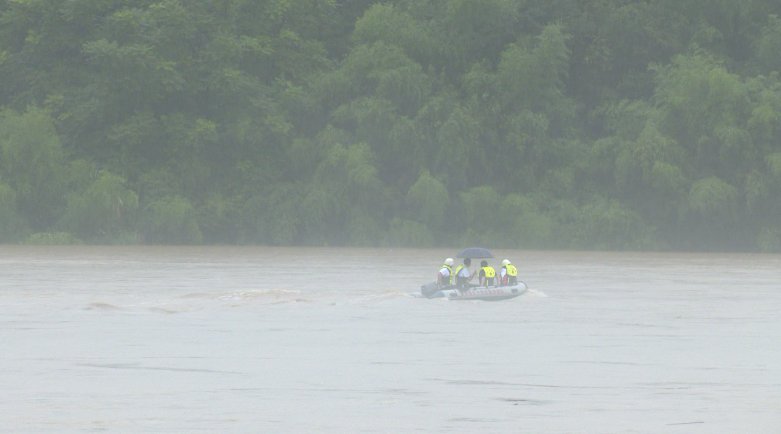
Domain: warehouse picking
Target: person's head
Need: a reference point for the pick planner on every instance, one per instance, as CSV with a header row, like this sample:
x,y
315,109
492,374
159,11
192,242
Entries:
x,y
483,263
467,262
505,262
449,262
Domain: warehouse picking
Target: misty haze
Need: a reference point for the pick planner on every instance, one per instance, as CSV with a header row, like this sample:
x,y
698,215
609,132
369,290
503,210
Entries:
x,y
245,216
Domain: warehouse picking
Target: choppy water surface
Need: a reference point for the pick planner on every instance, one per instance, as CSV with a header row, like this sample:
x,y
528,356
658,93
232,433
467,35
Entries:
x,y
332,340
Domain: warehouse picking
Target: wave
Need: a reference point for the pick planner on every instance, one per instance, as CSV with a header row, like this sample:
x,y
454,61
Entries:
x,y
240,297
247,298
102,306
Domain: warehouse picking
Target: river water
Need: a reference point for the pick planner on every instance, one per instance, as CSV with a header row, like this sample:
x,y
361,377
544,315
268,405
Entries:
x,y
282,340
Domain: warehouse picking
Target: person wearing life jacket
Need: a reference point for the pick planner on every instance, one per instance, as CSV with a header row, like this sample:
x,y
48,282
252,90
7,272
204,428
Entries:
x,y
445,275
487,274
463,275
508,273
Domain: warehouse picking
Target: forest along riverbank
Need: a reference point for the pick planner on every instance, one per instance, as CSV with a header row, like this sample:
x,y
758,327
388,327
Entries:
x,y
570,125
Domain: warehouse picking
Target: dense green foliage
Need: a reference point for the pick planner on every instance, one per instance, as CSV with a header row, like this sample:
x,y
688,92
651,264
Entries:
x,y
608,124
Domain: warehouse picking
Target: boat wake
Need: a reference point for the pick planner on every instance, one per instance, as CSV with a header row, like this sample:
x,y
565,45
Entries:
x,y
249,296
102,306
249,299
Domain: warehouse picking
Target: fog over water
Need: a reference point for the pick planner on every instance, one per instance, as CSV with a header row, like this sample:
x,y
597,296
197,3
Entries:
x,y
290,340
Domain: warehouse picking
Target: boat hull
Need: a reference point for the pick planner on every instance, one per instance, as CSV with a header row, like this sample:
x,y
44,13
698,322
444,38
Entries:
x,y
493,293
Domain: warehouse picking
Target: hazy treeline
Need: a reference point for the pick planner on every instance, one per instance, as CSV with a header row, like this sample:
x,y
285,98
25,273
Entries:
x,y
650,124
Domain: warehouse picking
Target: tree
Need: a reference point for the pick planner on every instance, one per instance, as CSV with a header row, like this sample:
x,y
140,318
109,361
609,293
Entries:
x,y
344,192
522,224
459,158
697,97
392,25
274,216
170,220
386,72
32,163
713,207
607,225
481,207
12,226
475,30
105,211
767,45
428,201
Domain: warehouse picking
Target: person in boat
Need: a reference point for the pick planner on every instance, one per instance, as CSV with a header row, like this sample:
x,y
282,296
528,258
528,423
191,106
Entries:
x,y
463,275
445,276
508,274
487,274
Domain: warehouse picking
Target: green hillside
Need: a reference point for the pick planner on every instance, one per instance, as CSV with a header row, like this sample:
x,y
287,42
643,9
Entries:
x,y
585,124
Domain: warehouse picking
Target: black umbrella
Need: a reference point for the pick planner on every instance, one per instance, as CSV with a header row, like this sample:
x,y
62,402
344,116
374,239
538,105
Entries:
x,y
474,252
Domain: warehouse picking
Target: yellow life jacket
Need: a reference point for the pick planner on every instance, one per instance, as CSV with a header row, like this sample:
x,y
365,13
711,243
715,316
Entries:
x,y
460,283
489,271
511,270
450,270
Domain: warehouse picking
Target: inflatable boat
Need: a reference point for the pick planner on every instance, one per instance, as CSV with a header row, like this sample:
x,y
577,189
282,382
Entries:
x,y
491,293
